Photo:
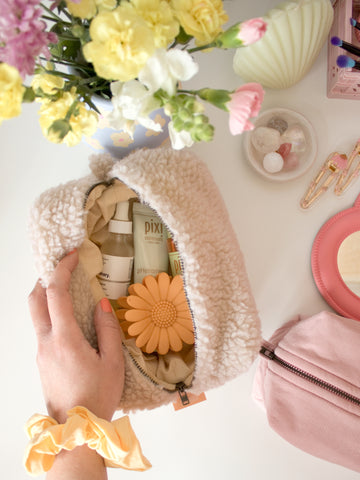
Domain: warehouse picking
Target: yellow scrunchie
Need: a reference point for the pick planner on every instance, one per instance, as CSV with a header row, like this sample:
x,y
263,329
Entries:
x,y
115,441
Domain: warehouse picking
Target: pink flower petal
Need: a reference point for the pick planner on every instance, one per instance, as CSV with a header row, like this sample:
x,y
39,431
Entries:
x,y
245,103
252,30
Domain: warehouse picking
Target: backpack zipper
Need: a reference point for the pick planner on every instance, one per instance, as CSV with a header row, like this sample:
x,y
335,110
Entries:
x,y
271,355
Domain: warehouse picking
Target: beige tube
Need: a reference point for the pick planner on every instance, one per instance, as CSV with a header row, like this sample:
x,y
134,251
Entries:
x,y
150,235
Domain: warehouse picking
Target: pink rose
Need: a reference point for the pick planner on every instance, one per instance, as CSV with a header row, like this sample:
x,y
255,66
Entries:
x,y
245,103
251,31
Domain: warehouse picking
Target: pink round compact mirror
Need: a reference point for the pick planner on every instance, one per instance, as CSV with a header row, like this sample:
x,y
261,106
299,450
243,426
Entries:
x,y
335,261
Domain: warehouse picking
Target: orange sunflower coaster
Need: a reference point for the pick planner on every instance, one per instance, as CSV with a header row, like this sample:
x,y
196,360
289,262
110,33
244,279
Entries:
x,y
157,313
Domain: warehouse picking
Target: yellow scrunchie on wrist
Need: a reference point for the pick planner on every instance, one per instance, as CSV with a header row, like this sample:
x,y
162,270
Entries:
x,y
115,441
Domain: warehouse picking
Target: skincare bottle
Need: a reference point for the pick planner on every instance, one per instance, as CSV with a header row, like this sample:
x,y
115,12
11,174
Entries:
x,y
174,257
117,255
151,255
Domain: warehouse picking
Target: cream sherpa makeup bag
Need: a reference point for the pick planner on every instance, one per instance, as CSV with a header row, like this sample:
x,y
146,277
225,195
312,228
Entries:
x,y
180,189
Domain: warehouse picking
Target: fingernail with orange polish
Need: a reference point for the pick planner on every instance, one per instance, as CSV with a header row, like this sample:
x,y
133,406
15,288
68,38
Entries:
x,y
105,305
72,251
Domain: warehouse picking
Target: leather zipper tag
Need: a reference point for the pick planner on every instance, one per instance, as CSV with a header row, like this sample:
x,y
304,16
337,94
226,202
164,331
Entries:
x,y
187,399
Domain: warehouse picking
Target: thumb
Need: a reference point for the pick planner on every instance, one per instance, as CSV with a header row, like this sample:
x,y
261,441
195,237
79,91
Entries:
x,y
107,330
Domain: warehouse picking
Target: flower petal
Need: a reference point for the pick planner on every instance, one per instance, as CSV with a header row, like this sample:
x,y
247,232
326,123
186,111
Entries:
x,y
164,344
182,308
124,325
180,298
136,315
121,314
186,323
176,286
181,64
152,285
145,335
163,280
137,302
141,291
122,301
180,139
185,335
137,327
153,341
245,103
175,341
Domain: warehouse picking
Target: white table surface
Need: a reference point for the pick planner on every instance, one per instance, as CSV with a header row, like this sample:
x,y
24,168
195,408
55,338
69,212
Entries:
x,y
227,436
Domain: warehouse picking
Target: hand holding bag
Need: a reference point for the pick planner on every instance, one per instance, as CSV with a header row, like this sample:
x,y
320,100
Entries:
x,y
180,189
308,382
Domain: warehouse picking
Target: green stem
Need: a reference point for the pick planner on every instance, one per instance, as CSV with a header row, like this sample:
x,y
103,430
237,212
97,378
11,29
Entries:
x,y
56,59
67,37
71,110
67,14
202,47
189,92
60,74
54,17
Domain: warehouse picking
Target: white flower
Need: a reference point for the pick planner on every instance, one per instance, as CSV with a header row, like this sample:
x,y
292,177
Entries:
x,y
180,139
166,68
132,102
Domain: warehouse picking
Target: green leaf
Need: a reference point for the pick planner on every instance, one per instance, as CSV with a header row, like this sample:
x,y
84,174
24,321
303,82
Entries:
x,y
29,95
60,128
183,38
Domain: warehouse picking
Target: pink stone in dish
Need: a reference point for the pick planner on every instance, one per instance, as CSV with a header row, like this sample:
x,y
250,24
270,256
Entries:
x,y
291,162
284,150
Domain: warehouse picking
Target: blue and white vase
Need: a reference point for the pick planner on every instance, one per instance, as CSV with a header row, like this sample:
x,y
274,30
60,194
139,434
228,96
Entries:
x,y
119,143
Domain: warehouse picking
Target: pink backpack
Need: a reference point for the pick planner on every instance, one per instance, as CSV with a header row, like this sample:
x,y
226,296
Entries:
x,y
308,382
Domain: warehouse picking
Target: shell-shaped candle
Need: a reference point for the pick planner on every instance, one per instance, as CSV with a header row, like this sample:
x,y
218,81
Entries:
x,y
296,32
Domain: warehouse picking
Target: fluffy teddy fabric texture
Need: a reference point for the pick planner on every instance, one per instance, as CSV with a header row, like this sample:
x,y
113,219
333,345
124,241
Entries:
x,y
180,188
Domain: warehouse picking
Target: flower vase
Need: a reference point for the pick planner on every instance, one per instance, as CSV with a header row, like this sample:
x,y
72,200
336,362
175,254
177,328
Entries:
x,y
296,32
119,143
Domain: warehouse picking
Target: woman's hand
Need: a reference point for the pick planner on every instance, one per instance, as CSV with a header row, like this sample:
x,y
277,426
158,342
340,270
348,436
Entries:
x,y
72,372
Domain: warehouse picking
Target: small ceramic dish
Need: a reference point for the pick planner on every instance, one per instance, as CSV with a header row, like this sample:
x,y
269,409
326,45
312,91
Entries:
x,y
305,158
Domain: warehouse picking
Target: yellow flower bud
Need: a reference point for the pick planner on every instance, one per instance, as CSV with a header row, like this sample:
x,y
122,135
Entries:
x,y
11,92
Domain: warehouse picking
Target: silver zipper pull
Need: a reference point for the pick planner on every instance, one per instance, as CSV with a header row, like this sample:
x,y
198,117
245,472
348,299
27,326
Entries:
x,y
180,387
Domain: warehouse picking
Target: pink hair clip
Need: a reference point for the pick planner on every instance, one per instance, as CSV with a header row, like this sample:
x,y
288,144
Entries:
x,y
345,177
334,164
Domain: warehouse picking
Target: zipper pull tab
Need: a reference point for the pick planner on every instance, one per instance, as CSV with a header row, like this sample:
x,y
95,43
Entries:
x,y
266,352
180,387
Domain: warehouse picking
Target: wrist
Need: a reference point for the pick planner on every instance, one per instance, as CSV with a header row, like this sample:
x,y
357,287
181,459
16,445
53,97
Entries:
x,y
80,463
116,442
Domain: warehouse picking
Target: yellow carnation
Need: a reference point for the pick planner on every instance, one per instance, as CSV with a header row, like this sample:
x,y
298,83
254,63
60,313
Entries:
x,y
202,19
11,92
121,44
82,121
89,8
49,84
159,16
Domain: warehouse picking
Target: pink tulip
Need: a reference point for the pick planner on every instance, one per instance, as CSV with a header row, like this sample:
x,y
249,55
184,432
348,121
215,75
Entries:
x,y
245,103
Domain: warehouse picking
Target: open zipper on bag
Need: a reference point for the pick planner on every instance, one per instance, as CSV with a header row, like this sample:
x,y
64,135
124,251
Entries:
x,y
271,355
180,387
